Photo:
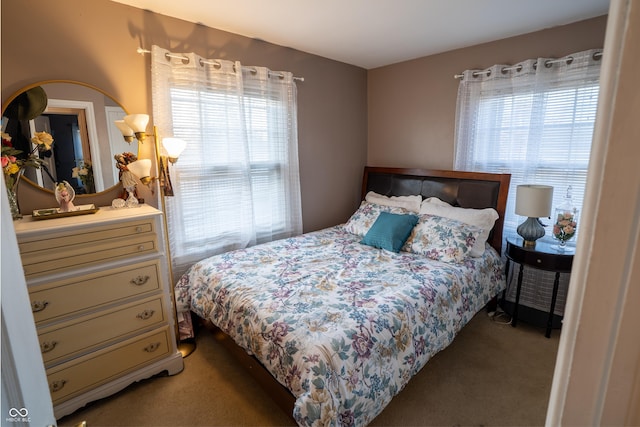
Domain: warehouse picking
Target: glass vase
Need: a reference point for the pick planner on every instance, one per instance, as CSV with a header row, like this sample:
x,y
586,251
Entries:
x,y
13,202
562,245
566,222
11,182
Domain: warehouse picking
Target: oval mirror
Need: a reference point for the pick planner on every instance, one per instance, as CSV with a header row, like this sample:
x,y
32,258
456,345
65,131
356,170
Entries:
x,y
80,117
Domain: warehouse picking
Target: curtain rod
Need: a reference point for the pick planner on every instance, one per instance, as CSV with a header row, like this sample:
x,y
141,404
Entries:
x,y
142,51
547,63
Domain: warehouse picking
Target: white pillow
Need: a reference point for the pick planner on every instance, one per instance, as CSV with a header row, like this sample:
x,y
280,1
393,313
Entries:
x,y
436,201
481,218
410,203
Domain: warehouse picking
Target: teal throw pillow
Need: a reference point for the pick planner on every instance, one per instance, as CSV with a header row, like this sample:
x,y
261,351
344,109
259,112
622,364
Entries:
x,y
390,231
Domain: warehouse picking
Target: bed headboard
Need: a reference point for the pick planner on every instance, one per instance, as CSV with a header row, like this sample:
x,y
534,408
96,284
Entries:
x,y
464,189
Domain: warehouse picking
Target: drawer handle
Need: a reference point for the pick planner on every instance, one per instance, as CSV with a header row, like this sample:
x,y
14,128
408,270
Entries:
x,y
141,247
139,229
37,306
47,346
152,347
140,280
146,314
539,261
57,385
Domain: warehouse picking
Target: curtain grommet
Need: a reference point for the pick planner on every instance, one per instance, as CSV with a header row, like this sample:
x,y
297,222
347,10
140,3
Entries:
x,y
185,60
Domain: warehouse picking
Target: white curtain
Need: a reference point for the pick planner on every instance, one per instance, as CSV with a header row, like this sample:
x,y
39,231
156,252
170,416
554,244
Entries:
x,y
237,182
534,120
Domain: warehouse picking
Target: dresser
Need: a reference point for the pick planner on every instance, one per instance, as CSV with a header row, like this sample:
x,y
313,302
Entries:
x,y
101,300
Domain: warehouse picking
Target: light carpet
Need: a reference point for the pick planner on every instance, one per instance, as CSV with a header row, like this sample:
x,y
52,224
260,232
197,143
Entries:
x,y
491,375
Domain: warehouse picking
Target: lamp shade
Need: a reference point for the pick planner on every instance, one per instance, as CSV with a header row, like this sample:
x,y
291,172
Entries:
x,y
124,128
174,147
534,201
137,122
140,168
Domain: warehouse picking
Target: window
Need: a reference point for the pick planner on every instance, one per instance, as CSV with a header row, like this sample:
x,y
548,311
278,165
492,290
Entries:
x,y
535,122
212,175
237,183
538,129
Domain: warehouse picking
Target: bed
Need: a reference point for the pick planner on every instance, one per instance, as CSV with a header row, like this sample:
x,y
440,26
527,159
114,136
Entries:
x,y
339,319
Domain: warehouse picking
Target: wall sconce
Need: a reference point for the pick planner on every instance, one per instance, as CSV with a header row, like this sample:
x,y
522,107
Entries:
x,y
126,131
133,125
533,201
174,147
142,169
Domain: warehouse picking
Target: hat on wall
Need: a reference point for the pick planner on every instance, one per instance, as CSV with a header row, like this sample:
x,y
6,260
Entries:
x,y
28,105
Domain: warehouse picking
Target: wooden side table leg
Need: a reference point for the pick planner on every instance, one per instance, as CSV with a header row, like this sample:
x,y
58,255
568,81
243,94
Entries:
x,y
554,295
506,278
514,318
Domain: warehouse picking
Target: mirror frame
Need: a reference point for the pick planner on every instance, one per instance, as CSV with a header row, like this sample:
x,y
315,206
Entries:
x,y
13,96
32,196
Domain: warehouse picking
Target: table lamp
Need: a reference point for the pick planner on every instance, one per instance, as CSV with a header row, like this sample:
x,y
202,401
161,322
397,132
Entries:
x,y
533,201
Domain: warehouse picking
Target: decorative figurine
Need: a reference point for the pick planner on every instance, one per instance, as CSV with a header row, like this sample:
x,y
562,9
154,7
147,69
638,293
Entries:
x,y
64,196
128,180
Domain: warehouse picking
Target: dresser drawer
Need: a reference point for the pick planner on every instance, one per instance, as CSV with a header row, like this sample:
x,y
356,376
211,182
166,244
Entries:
x,y
72,257
556,262
53,241
83,334
73,378
90,291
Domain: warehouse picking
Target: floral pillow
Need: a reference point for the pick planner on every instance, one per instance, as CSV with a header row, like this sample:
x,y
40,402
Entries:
x,y
363,218
481,218
442,239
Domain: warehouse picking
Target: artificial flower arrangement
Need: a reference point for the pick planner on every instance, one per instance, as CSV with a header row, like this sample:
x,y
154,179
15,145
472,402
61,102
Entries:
x,y
566,220
565,226
84,171
12,160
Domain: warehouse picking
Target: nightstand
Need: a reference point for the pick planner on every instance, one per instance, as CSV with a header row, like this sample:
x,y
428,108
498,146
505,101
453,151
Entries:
x,y
543,256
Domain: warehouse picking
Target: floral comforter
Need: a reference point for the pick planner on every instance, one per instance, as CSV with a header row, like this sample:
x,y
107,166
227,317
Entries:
x,y
342,325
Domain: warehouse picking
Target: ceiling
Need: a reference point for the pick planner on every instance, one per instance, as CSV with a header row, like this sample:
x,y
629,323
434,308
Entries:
x,y
374,33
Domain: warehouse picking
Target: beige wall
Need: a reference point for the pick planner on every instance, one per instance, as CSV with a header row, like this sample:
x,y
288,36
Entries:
x,y
95,42
412,105
409,107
